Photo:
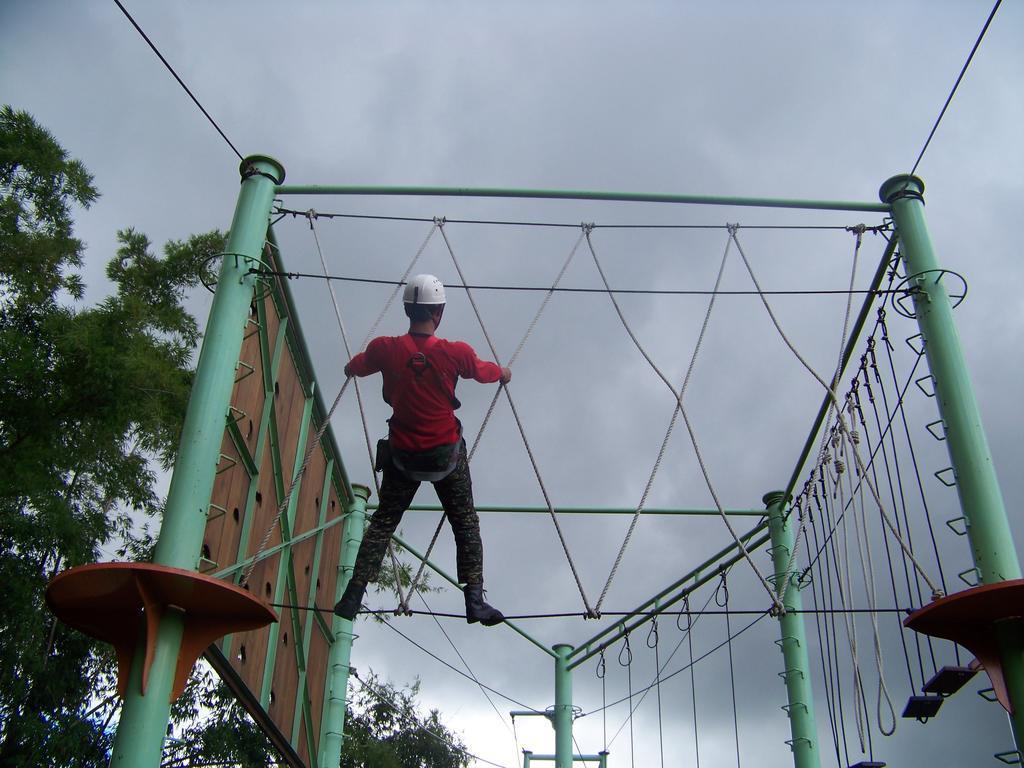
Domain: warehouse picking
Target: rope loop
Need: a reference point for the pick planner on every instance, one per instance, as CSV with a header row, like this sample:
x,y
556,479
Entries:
x,y
602,668
722,592
689,618
625,653
653,633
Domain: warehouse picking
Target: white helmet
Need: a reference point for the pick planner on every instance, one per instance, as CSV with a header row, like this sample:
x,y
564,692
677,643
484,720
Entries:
x,y
424,290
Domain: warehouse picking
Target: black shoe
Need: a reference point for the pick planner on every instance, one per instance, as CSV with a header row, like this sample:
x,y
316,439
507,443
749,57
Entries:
x,y
351,601
478,610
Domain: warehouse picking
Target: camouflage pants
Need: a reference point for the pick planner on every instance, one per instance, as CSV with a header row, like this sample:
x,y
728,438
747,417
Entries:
x,y
455,493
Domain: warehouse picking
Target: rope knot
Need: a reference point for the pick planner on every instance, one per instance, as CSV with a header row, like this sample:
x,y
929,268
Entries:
x,y
587,228
440,221
840,466
311,215
732,229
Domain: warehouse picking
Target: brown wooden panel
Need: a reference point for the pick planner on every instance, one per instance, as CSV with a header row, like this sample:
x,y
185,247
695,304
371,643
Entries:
x,y
286,675
247,651
223,530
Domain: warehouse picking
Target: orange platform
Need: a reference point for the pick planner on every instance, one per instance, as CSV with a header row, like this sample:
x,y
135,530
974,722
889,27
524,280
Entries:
x,y
971,618
123,603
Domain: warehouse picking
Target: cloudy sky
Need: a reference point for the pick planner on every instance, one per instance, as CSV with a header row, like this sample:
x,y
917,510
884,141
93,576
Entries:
x,y
822,100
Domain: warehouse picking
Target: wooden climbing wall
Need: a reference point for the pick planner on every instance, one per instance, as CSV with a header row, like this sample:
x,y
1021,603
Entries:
x,y
279,672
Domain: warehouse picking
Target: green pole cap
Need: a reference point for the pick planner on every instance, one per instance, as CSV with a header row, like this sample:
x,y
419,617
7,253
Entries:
x,y
902,185
562,649
262,165
361,491
774,497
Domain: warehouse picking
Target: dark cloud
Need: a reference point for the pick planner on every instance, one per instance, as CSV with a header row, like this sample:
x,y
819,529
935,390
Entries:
x,y
788,102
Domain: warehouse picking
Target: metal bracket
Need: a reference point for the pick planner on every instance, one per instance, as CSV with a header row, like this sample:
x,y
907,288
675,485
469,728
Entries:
x,y
234,462
952,525
969,582
250,370
212,566
1010,758
783,640
936,435
915,290
788,708
793,742
914,349
925,391
785,675
941,479
241,414
219,512
988,694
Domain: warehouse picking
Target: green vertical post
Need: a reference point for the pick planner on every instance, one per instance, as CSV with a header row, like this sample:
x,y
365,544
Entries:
x,y
561,717
332,729
995,555
793,640
144,716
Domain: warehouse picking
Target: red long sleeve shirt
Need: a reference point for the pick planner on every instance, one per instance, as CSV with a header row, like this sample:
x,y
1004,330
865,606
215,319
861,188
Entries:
x,y
421,390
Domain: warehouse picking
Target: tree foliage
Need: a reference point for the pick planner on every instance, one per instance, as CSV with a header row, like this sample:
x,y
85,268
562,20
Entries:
x,y
91,403
385,729
89,396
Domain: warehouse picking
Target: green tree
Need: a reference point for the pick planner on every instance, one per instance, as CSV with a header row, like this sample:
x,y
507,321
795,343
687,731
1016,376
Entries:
x,y
88,396
385,729
91,404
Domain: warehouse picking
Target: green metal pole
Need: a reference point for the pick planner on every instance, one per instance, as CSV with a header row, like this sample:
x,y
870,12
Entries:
x,y
576,194
332,729
143,723
561,717
992,546
793,641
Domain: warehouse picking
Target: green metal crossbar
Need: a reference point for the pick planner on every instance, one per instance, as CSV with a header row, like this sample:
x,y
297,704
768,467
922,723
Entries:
x,y
563,194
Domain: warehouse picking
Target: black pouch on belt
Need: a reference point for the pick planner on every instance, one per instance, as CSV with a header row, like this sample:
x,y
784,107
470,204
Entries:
x,y
383,455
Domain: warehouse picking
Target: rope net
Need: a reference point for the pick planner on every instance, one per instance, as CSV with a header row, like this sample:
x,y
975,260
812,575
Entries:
x,y
854,517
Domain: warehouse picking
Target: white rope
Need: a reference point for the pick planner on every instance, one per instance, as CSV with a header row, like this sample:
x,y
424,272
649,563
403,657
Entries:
x,y
689,427
519,423
868,568
675,409
311,215
845,596
858,231
841,422
494,400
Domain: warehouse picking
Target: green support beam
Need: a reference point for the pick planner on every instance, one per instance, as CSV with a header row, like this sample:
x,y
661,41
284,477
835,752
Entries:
x,y
793,639
561,716
981,500
332,727
703,573
591,510
564,194
144,716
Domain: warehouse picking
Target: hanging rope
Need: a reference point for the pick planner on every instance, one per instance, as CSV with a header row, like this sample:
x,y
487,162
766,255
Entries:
x,y
722,601
858,232
327,420
311,216
841,421
693,681
675,410
627,653
494,400
591,613
868,569
689,427
652,643
601,672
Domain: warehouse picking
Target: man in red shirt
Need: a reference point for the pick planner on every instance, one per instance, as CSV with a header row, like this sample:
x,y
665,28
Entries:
x,y
424,442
